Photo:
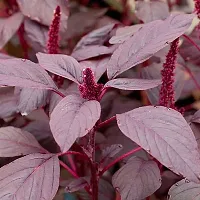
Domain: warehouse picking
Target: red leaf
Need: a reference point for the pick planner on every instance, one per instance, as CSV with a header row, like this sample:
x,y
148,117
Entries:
x,y
15,142
36,35
42,11
150,11
73,117
147,41
164,134
62,65
24,73
9,26
133,84
137,179
184,190
35,176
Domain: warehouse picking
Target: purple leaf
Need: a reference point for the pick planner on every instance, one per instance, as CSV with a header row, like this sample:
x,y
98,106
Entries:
x,y
133,84
98,66
73,117
137,179
31,99
184,190
15,142
109,152
91,52
150,11
164,134
35,176
41,131
8,102
96,37
147,41
5,56
42,12
154,72
36,35
84,20
196,117
9,26
74,184
124,33
24,73
62,65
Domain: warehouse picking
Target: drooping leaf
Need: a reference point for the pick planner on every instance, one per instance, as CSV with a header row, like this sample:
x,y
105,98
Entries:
x,y
73,117
150,11
96,37
154,72
184,190
147,41
62,65
133,84
35,176
43,12
31,99
137,179
124,33
98,66
36,35
15,142
9,26
164,134
24,73
91,52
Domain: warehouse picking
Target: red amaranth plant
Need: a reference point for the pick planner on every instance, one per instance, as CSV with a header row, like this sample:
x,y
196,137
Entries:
x,y
114,147
167,89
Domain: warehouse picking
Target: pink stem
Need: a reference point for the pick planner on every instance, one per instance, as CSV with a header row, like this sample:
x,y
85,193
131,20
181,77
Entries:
x,y
103,93
71,161
119,159
106,122
69,170
191,41
23,41
59,93
72,153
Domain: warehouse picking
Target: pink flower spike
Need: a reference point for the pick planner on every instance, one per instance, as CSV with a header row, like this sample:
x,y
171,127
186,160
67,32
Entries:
x,y
90,89
167,90
53,40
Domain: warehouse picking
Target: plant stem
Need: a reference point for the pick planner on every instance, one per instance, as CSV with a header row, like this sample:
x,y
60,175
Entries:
x,y
59,93
103,92
191,41
72,153
118,159
106,122
74,174
23,41
94,166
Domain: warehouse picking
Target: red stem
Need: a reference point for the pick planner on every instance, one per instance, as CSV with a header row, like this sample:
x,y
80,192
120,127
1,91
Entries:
x,y
103,93
119,159
106,122
191,41
74,174
72,153
23,41
59,93
148,198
